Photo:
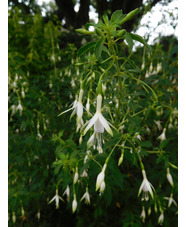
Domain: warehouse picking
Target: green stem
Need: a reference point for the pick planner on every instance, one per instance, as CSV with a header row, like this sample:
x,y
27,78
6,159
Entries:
x,y
108,158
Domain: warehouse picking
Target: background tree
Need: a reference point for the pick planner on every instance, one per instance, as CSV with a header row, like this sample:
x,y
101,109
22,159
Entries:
x,y
72,19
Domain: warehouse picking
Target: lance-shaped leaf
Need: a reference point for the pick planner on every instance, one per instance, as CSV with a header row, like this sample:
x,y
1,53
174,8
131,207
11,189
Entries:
x,y
86,48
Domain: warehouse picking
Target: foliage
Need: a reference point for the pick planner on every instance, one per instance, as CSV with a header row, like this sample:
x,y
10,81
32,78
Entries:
x,y
46,151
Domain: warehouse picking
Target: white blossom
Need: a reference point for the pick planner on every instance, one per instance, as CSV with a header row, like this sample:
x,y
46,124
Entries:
x,y
162,137
101,177
77,108
86,196
74,204
76,176
161,218
56,198
170,200
38,215
67,193
14,217
99,122
143,214
146,187
20,108
102,187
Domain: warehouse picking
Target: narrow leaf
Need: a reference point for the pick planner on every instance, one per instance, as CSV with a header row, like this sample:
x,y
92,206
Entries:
x,y
117,17
99,47
140,39
85,48
129,41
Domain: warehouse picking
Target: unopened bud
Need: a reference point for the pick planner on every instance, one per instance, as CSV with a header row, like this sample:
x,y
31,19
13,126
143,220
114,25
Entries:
x,y
83,31
129,16
120,159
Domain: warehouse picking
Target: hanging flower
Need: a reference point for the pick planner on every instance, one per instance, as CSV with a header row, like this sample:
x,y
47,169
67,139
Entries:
x,y
169,177
170,200
146,187
143,214
77,107
161,218
101,177
20,108
76,176
86,196
56,198
14,218
38,215
99,122
74,204
102,187
67,193
162,137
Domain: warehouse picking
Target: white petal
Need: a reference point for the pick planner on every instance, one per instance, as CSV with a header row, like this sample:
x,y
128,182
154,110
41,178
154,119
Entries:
x,y
52,199
141,187
66,111
79,111
73,112
91,122
98,127
105,124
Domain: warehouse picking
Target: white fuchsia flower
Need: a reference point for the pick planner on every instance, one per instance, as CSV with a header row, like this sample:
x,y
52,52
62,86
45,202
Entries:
x,y
143,214
38,215
84,174
162,137
146,187
99,122
20,108
88,106
101,177
161,218
170,200
89,154
86,196
14,217
56,198
77,107
102,187
76,176
74,204
158,123
67,193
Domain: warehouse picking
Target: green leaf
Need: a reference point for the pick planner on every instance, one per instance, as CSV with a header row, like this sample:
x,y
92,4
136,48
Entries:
x,y
105,19
86,48
140,39
129,41
117,17
99,47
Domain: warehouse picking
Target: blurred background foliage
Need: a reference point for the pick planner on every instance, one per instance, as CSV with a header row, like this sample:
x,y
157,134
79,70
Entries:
x,y
43,80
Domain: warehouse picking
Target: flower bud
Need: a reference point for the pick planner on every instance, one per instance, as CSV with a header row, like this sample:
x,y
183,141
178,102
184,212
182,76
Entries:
x,y
169,178
129,16
76,176
74,204
120,159
83,31
102,187
14,217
